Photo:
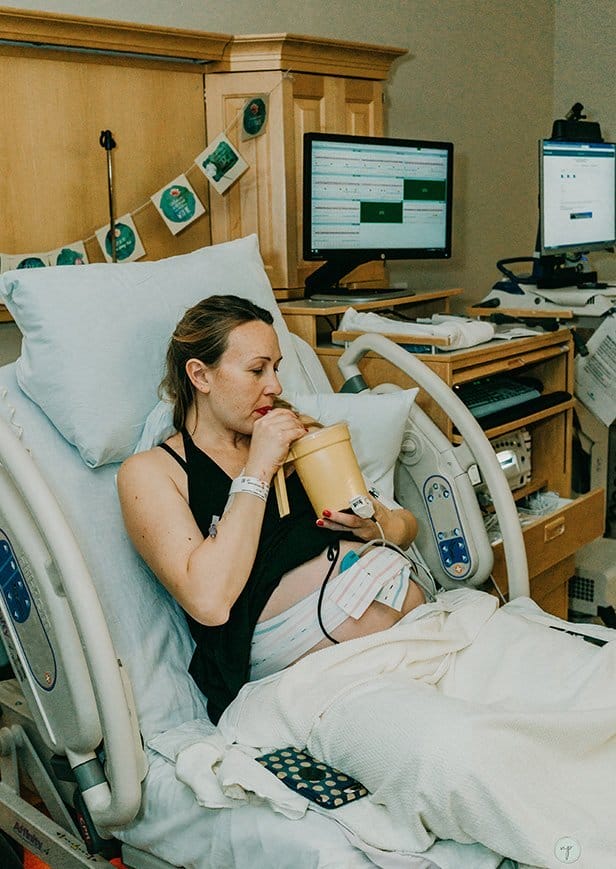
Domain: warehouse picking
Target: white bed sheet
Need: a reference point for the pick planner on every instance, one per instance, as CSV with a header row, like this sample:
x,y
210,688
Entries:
x,y
150,636
464,721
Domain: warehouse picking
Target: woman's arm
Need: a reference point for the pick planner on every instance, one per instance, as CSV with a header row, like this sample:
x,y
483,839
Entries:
x,y
204,574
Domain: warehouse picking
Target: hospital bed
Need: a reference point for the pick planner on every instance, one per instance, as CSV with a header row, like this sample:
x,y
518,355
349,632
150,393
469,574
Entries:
x,y
99,650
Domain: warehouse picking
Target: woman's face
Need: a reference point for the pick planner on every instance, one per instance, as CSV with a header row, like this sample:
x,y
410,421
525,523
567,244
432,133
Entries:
x,y
245,381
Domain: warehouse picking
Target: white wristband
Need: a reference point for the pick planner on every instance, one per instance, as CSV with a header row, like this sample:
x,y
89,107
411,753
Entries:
x,y
251,486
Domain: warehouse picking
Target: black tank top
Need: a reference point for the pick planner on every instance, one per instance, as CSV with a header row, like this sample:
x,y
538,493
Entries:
x,y
221,661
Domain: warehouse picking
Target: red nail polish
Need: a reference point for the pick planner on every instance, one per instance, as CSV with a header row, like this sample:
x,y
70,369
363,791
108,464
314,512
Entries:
x,y
327,513
320,523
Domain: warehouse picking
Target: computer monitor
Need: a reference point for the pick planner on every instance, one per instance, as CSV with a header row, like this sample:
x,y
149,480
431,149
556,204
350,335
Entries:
x,y
369,198
577,203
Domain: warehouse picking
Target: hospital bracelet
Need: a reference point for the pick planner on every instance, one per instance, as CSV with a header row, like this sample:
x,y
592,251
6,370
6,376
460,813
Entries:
x,y
250,485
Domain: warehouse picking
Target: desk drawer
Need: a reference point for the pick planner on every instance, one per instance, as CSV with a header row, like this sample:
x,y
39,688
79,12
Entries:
x,y
551,543
553,538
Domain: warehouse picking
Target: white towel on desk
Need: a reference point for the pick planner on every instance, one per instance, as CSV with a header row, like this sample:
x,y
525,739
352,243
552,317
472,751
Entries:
x,y
460,331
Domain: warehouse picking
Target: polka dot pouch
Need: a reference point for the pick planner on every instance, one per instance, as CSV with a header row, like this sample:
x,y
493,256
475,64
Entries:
x,y
318,782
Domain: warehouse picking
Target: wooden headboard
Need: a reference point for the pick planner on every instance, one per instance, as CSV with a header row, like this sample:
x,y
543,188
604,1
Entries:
x,y
65,79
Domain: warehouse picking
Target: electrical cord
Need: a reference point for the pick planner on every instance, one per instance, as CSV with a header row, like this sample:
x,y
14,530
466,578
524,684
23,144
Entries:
x,y
333,551
515,279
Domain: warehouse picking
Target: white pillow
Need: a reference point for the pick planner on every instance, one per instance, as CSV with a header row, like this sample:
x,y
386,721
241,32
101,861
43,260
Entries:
x,y
376,425
95,336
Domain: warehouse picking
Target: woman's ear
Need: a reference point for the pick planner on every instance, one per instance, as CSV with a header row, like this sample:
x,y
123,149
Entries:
x,y
198,375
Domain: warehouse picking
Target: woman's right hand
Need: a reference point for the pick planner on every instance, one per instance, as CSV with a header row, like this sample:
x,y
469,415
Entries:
x,y
272,435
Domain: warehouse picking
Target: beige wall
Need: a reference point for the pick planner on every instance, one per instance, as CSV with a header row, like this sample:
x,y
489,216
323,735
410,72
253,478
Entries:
x,y
478,73
585,72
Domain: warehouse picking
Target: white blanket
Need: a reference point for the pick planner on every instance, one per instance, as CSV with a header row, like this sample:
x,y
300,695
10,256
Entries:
x,y
464,722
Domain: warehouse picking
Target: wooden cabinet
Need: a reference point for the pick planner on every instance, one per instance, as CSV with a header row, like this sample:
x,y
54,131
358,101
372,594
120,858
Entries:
x,y
551,541
312,85
547,356
63,78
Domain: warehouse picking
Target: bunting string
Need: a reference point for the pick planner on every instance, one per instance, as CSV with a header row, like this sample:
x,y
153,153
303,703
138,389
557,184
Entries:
x,y
177,202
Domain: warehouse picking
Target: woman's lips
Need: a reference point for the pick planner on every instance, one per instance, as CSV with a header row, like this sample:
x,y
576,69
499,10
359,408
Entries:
x,y
263,410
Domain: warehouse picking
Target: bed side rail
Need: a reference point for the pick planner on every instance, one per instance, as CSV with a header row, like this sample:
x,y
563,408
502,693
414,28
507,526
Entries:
x,y
59,644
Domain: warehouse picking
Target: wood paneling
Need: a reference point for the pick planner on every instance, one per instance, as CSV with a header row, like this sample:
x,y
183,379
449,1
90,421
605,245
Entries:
x,y
54,188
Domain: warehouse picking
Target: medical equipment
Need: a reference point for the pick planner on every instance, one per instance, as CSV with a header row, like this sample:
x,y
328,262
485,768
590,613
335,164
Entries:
x,y
55,574
419,177
592,591
513,452
526,301
97,624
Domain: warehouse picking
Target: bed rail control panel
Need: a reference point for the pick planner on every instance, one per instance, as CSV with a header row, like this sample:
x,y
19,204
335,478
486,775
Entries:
x,y
431,480
19,608
446,525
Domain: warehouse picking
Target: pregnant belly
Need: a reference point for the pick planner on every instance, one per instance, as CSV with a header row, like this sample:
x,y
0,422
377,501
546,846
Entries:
x,y
301,581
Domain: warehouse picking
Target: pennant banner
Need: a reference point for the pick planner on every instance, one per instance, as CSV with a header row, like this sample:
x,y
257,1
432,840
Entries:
x,y
254,116
69,255
24,261
176,202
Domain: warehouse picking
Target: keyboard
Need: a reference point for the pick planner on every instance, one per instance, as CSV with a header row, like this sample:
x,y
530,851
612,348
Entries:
x,y
491,395
526,408
338,297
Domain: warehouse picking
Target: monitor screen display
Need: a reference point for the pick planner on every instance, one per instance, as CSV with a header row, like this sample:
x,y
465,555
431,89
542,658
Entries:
x,y
577,196
368,198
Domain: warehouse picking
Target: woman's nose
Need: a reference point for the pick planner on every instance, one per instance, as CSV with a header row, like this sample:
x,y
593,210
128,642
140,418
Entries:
x,y
274,386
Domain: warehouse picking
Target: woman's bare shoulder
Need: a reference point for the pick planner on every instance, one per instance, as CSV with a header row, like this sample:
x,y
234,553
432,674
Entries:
x,y
155,460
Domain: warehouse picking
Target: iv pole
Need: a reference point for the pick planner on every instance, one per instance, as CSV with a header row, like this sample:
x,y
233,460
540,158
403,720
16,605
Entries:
x,y
107,142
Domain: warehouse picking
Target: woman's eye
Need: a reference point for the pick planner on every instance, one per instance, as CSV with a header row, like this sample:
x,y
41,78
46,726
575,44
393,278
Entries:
x,y
257,371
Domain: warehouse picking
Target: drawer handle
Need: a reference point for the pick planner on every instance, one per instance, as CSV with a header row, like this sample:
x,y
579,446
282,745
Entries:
x,y
554,529
516,362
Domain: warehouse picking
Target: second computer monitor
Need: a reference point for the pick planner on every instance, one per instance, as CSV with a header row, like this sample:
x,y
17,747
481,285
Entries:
x,y
577,196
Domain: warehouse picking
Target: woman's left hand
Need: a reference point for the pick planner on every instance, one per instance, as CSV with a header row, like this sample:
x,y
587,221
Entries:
x,y
397,526
363,529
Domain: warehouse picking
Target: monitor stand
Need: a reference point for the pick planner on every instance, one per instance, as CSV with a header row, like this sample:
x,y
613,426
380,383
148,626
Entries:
x,y
342,297
323,285
551,273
